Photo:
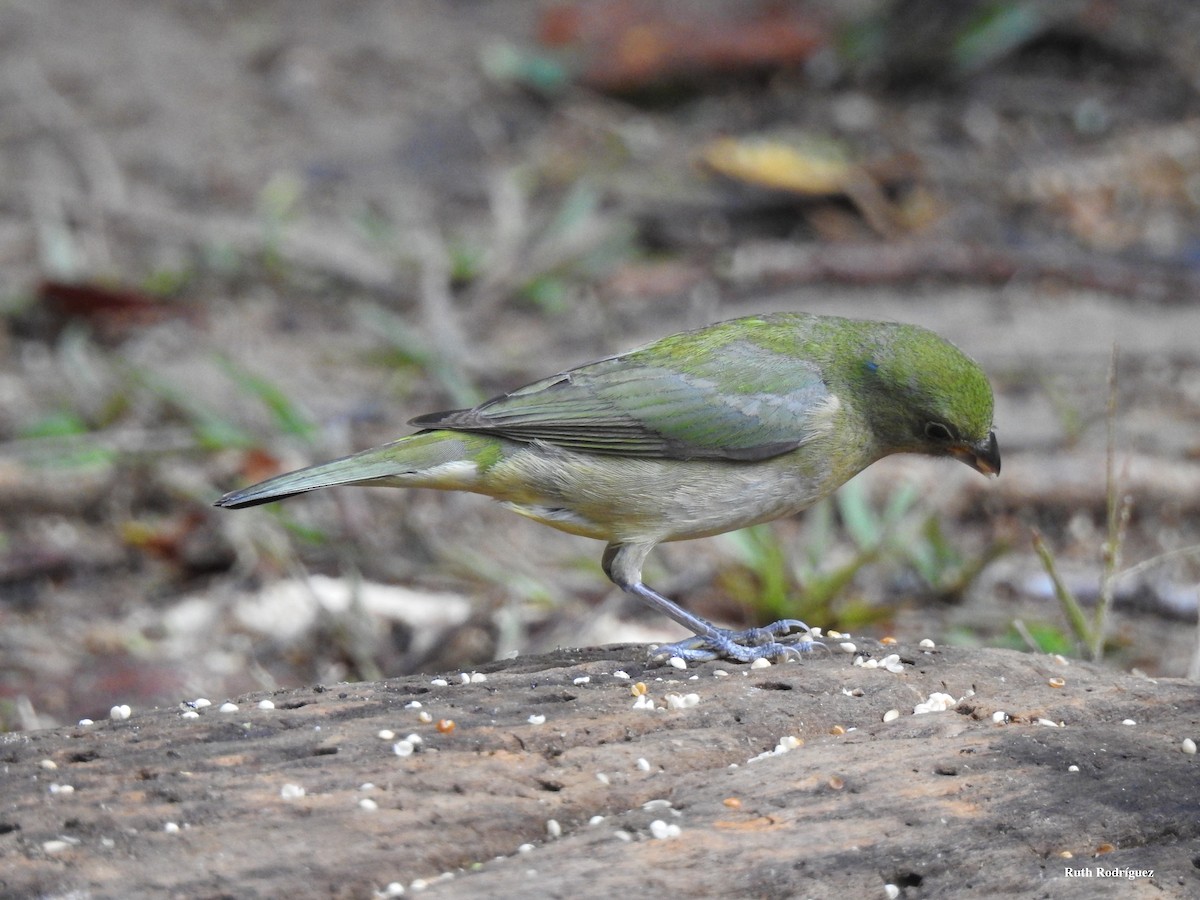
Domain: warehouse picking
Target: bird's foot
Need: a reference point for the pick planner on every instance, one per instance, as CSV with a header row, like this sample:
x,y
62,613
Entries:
x,y
743,646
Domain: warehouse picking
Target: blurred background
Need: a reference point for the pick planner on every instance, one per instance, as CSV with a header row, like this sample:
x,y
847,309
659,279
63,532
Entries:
x,y
240,238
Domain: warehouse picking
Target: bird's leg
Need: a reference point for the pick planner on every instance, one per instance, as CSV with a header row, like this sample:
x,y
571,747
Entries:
x,y
623,565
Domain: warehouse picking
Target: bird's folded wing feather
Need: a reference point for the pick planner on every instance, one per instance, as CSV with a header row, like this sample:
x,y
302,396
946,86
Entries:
x,y
735,401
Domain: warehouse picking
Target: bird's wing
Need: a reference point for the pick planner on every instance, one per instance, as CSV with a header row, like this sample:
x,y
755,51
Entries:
x,y
730,400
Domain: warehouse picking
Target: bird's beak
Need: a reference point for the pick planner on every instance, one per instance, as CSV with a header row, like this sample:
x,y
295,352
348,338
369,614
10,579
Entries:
x,y
983,457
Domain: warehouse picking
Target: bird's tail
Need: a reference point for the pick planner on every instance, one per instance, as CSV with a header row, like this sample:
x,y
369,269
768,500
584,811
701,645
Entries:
x,y
442,459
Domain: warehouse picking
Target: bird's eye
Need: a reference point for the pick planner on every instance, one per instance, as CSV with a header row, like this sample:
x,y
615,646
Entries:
x,y
936,431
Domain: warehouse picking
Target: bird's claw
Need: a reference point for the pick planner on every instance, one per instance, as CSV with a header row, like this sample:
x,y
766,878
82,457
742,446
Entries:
x,y
743,646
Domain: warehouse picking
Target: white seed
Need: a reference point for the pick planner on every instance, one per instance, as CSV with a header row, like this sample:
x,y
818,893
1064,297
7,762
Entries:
x,y
228,707
999,717
582,679
478,678
891,715
189,714
525,848
171,828
413,704
1128,722
415,739
200,703
62,788
1048,723
927,644
937,702
761,663
661,830
621,673
553,829
1189,746
720,673
291,791
84,723
1072,768
439,682
848,647
595,820
394,889
643,764
537,719
677,662
120,712
366,803
424,717
47,764
602,778
266,704
403,748
891,891
385,734
58,846
464,677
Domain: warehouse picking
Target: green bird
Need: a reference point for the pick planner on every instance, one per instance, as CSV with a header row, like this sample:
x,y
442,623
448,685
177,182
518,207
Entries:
x,y
693,435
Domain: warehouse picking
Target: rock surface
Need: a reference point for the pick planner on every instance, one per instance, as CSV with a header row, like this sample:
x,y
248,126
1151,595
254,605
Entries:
x,y
1039,759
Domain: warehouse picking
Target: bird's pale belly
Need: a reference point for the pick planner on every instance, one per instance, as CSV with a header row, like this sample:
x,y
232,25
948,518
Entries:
x,y
622,499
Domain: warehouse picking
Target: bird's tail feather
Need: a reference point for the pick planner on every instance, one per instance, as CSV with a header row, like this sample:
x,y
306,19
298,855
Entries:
x,y
400,463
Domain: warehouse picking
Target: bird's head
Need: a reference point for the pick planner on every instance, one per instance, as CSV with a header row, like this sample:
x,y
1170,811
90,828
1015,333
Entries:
x,y
924,395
